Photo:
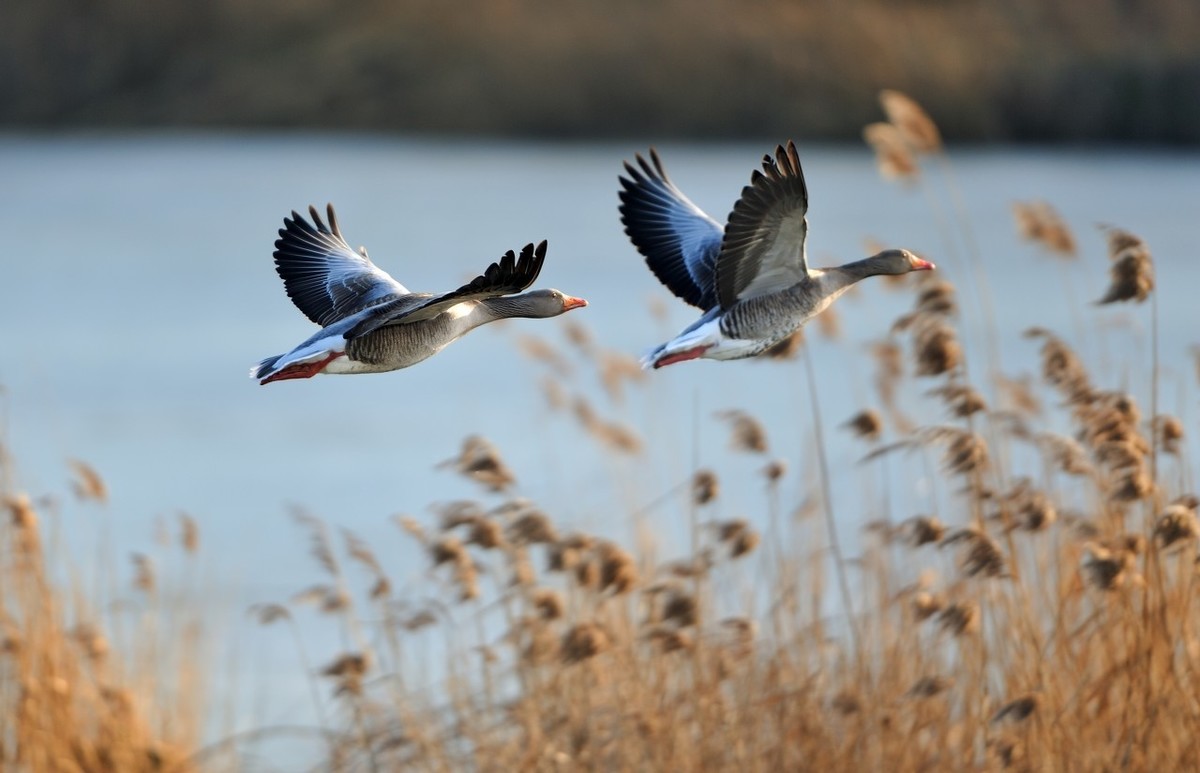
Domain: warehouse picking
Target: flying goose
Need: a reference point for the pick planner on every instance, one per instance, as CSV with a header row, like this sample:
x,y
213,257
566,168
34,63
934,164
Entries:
x,y
370,323
751,277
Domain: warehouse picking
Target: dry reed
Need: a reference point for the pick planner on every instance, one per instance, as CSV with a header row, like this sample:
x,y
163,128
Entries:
x,y
72,699
1040,613
1008,628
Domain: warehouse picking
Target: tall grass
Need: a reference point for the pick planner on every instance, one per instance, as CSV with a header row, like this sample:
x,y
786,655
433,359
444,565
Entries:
x,y
1040,616
1054,631
93,681
1044,621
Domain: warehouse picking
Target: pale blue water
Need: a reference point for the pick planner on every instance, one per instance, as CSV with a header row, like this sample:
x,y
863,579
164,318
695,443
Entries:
x,y
138,289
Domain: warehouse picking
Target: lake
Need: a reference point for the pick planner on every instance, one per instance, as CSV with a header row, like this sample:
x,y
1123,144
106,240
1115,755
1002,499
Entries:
x,y
139,289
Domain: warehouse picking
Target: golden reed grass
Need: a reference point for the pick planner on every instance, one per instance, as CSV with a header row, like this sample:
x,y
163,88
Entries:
x,y
1054,631
70,698
1038,615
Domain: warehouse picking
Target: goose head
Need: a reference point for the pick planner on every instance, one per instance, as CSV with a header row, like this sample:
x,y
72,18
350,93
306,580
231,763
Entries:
x,y
898,262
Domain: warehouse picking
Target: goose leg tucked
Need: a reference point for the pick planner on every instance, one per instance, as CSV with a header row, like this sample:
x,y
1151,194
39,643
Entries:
x,y
301,369
684,356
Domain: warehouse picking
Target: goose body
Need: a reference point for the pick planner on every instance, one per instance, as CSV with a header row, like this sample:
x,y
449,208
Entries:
x,y
750,277
370,323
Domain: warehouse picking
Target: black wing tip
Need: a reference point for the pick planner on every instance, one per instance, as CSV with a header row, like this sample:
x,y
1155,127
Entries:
x,y
310,224
332,227
533,251
296,222
658,164
785,163
316,218
645,170
787,149
634,177
333,221
512,273
782,168
298,226
530,264
646,185
317,225
295,226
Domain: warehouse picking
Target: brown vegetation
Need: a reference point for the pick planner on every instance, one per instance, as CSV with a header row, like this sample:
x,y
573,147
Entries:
x,y
1044,619
72,698
995,70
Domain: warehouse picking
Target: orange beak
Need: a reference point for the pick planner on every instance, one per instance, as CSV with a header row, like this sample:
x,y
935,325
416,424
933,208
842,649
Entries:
x,y
573,303
923,265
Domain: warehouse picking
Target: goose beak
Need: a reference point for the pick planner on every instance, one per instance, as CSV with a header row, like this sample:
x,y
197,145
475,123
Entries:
x,y
570,302
922,265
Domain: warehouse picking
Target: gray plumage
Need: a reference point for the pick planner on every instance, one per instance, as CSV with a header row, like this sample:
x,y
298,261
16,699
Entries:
x,y
370,322
751,278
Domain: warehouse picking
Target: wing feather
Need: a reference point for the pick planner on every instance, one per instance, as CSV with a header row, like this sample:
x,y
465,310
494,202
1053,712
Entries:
x,y
764,246
326,279
679,241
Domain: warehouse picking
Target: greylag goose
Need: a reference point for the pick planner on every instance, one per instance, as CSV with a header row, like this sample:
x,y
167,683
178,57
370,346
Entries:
x,y
370,323
751,277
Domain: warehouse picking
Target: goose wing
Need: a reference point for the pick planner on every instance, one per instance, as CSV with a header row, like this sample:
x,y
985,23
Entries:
x,y
326,279
679,241
763,249
510,274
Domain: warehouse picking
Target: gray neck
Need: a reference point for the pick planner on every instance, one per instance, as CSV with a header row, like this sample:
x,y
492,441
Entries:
x,y
505,307
860,269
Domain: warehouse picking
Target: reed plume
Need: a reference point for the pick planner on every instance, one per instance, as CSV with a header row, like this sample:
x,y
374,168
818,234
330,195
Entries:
x,y
866,424
746,432
480,461
1039,222
1132,270
892,155
914,125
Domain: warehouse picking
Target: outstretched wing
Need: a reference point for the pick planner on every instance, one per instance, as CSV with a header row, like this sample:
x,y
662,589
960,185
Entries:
x,y
679,241
324,277
763,249
510,274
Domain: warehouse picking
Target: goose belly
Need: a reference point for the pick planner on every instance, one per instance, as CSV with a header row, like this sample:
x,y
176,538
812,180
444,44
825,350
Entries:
x,y
346,366
393,348
727,348
768,320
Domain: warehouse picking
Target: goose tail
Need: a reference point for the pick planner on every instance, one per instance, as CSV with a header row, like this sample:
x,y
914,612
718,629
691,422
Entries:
x,y
305,361
263,368
649,360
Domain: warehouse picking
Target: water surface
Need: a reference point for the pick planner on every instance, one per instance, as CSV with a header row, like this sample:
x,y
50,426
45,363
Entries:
x,y
139,289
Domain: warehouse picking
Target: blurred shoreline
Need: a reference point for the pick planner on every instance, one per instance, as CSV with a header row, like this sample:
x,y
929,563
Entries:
x,y
991,71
